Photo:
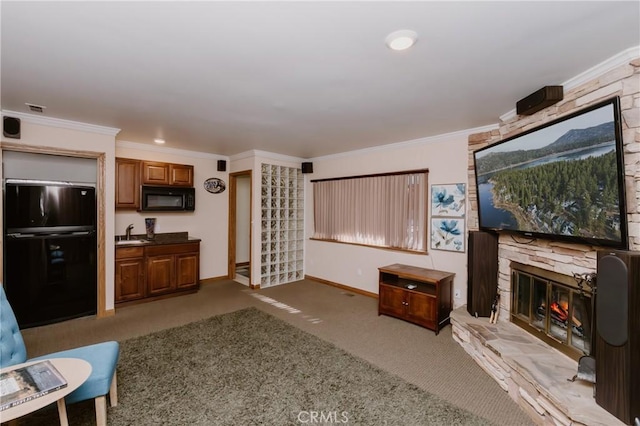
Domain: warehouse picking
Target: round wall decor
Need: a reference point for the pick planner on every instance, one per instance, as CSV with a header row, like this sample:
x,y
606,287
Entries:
x,y
214,185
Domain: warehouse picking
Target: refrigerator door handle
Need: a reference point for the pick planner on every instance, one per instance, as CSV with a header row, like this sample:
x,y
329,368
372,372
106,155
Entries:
x,y
83,233
20,235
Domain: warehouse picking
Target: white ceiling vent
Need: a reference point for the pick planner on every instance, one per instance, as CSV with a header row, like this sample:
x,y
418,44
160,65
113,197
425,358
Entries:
x,y
36,108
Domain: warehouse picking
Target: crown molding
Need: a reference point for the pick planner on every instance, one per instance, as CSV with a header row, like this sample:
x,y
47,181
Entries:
x,y
622,58
592,73
265,154
60,123
421,141
167,150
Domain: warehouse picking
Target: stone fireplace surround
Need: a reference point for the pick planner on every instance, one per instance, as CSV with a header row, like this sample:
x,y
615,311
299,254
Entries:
x,y
533,373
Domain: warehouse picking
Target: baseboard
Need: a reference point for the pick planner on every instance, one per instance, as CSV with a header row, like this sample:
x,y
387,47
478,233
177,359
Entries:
x,y
154,298
341,286
212,280
254,286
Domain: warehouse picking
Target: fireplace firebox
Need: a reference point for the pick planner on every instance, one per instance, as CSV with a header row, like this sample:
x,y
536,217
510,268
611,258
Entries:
x,y
552,307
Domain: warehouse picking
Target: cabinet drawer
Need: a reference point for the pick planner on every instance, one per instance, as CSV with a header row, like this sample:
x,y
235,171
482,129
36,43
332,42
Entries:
x,y
128,252
172,249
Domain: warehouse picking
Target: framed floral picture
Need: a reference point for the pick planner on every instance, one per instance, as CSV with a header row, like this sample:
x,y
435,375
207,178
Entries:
x,y
448,200
448,207
448,234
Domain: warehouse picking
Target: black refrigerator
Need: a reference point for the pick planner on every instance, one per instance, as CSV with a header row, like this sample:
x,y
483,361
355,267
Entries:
x,y
50,247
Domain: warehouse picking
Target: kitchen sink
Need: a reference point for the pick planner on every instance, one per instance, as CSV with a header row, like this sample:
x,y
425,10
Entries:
x,y
127,242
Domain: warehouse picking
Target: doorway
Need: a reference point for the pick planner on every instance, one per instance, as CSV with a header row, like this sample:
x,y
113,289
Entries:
x,y
239,268
46,163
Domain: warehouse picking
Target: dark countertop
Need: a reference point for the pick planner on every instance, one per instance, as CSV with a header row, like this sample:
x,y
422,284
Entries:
x,y
159,239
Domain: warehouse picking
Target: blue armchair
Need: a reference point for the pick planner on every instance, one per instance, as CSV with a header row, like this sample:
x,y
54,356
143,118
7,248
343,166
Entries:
x,y
103,358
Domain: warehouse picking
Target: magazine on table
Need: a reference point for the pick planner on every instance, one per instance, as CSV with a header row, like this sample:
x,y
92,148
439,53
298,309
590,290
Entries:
x,y
23,384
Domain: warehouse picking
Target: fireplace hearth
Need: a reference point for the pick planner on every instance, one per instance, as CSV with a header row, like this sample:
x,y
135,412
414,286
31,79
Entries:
x,y
536,376
553,307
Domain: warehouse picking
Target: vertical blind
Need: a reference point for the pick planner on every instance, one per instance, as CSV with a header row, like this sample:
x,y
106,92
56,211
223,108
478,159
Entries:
x,y
387,210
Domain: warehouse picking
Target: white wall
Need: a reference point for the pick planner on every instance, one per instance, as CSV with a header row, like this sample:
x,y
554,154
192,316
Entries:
x,y
209,221
355,266
27,165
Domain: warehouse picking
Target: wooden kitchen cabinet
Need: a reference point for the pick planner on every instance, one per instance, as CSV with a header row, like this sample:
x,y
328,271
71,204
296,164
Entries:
x,y
130,174
155,173
172,267
153,271
418,295
187,270
158,173
127,184
180,175
160,274
129,274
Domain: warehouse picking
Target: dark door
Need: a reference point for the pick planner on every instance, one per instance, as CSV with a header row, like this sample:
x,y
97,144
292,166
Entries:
x,y
51,278
38,207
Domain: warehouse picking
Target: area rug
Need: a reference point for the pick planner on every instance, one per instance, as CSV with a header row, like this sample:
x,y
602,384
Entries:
x,y
250,368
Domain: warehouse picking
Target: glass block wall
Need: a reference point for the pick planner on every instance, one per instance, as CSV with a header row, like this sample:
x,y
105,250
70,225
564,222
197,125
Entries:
x,y
282,235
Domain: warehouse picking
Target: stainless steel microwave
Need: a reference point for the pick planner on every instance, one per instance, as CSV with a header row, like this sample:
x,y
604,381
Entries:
x,y
168,199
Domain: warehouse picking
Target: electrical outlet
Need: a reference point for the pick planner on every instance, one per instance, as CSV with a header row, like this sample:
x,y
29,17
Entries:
x,y
456,294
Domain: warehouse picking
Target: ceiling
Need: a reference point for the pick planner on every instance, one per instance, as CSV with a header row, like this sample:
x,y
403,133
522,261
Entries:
x,y
305,79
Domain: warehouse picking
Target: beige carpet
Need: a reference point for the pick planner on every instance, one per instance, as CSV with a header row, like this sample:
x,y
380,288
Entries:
x,y
434,363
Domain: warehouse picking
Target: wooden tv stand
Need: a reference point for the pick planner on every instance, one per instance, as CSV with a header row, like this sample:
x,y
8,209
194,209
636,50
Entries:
x,y
418,295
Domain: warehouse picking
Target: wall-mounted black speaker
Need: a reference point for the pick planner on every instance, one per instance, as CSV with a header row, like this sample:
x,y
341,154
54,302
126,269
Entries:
x,y
540,99
222,165
617,337
307,167
11,127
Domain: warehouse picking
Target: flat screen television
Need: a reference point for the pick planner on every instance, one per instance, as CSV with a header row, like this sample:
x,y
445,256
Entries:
x,y
563,180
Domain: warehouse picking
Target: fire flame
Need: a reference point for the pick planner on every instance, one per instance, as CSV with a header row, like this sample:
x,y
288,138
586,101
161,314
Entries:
x,y
562,313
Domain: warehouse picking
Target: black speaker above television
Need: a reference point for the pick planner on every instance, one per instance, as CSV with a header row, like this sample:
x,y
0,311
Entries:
x,y
539,99
563,180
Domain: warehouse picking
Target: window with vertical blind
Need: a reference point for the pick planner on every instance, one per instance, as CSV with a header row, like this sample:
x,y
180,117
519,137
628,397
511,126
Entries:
x,y
385,210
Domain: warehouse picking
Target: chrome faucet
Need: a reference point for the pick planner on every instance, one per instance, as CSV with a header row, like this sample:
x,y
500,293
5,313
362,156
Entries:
x,y
128,232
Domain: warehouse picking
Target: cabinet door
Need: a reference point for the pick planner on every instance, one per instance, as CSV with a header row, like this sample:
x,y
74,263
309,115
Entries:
x,y
155,173
127,184
129,279
180,175
391,300
160,274
422,309
187,270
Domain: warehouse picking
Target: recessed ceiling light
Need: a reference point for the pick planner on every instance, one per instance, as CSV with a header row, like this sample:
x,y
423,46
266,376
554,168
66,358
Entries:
x,y
159,141
401,39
